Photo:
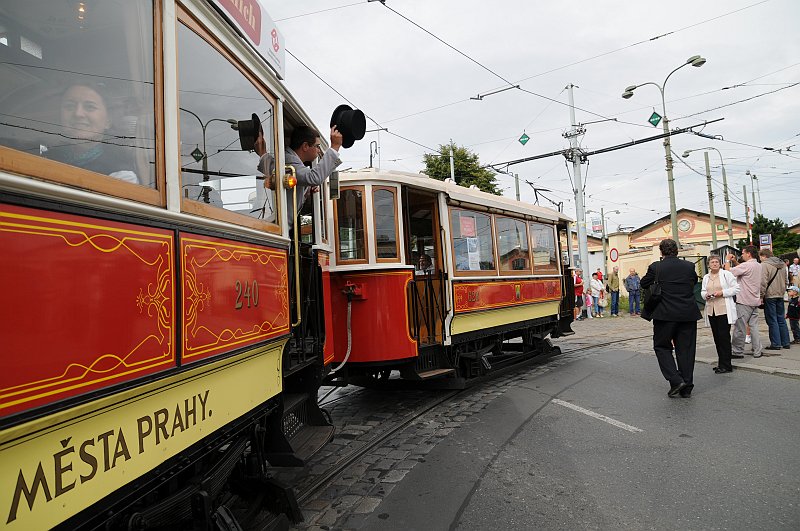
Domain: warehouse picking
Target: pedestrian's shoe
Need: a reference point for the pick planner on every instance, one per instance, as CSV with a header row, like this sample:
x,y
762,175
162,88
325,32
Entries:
x,y
787,347
757,355
748,339
721,370
773,347
686,392
737,356
676,389
796,341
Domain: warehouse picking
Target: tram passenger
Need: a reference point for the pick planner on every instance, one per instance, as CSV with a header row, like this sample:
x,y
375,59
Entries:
x,y
424,264
86,119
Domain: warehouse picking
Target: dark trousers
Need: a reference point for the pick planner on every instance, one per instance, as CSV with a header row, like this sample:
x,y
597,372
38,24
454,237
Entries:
x,y
633,301
684,336
795,324
721,331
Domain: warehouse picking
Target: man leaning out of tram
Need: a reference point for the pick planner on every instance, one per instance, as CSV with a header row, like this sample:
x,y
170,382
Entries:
x,y
304,147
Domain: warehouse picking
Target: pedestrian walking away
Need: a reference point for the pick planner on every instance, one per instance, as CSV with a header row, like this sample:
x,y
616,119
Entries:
x,y
773,288
633,286
719,289
674,317
793,313
748,275
612,287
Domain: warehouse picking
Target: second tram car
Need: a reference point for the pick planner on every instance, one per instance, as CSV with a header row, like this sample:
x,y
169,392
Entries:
x,y
439,282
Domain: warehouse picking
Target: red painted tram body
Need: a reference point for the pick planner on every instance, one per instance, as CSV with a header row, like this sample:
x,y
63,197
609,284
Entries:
x,y
442,282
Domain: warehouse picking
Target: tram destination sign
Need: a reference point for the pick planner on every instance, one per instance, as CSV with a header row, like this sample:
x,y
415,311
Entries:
x,y
251,19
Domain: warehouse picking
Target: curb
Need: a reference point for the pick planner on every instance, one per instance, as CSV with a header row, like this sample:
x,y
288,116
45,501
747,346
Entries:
x,y
788,373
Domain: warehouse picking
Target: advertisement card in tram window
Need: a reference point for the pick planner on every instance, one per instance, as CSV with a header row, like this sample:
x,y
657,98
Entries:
x,y
467,227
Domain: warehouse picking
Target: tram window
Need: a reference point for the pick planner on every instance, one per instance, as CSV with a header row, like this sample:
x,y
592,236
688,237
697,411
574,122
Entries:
x,y
216,175
512,245
350,225
473,247
77,87
543,243
385,207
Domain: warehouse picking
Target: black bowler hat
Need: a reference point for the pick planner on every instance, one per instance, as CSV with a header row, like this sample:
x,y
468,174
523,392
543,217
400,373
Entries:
x,y
351,123
248,132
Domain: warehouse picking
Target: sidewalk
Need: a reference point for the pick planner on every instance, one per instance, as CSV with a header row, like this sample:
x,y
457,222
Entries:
x,y
600,330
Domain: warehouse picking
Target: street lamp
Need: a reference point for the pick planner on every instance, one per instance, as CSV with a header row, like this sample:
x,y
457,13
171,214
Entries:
x,y
710,196
605,239
696,61
203,126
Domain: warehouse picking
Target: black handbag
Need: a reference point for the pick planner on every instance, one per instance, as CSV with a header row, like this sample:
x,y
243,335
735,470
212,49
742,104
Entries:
x,y
652,295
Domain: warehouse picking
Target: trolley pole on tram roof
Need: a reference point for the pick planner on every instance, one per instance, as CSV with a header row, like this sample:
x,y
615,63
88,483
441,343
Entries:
x,y
576,155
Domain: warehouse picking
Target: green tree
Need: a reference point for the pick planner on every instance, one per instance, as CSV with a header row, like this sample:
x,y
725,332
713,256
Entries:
x,y
466,166
783,241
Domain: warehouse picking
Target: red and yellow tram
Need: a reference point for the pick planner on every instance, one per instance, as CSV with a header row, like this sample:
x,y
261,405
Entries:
x,y
440,282
153,357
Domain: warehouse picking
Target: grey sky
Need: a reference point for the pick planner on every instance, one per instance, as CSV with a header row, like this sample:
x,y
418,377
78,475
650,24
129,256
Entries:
x,y
394,71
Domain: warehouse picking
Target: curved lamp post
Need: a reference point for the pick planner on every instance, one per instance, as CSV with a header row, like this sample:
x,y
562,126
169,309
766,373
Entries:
x,y
725,190
605,237
694,60
203,126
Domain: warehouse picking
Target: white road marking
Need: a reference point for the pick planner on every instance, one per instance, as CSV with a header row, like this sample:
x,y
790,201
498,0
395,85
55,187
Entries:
x,y
598,416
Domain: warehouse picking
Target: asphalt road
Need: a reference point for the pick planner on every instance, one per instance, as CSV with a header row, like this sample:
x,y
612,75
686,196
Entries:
x,y
597,444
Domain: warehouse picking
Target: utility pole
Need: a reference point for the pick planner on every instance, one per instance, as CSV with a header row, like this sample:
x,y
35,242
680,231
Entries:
x,y
516,184
575,154
711,205
452,166
605,241
727,205
753,191
747,213
758,193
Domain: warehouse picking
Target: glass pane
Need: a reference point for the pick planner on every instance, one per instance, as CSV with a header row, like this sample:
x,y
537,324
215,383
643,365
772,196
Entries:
x,y
351,225
385,219
544,248
76,84
512,245
215,169
472,241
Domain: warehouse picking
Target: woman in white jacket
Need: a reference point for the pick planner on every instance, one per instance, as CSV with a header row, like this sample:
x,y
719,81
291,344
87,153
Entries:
x,y
719,288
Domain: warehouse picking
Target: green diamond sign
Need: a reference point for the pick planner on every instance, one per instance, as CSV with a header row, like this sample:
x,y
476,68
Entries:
x,y
197,154
524,139
654,119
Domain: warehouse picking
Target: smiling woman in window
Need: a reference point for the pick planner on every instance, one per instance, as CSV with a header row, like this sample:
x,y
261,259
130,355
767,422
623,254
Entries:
x,y
86,119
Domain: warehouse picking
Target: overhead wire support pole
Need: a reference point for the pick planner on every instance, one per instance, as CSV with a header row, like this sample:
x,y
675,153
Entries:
x,y
711,204
576,155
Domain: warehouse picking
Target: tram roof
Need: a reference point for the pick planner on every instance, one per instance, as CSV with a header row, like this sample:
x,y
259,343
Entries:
x,y
465,196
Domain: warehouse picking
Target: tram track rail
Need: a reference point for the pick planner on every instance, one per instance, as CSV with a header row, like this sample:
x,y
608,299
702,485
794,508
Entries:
x,y
308,489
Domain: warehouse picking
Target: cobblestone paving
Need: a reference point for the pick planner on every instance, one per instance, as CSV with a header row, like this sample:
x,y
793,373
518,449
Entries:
x,y
363,415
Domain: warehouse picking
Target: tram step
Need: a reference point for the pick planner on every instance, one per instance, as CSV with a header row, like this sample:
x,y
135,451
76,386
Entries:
x,y
435,373
305,430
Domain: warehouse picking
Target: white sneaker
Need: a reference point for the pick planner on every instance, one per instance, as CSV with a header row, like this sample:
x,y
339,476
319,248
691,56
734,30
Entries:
x,y
747,339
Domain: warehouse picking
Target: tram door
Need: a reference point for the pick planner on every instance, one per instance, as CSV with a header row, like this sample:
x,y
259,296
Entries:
x,y
424,252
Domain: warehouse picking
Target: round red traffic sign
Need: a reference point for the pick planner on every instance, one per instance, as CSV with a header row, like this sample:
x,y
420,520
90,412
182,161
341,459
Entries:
x,y
613,254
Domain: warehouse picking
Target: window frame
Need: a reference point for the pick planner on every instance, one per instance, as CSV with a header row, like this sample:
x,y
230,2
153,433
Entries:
x,y
337,243
394,192
202,209
553,228
481,272
30,165
510,272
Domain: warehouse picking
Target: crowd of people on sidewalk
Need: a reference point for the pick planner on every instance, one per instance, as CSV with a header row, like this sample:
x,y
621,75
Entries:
x,y
731,297
592,297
